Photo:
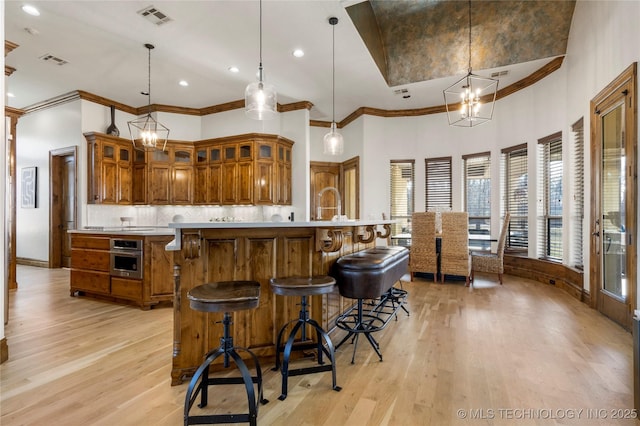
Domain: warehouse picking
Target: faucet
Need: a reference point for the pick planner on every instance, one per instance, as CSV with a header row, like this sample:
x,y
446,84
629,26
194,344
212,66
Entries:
x,y
339,202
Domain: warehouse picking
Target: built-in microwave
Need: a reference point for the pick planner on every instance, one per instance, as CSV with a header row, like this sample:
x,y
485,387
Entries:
x,y
126,258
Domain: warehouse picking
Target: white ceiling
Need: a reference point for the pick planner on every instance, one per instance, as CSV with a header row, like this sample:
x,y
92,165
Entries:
x,y
103,42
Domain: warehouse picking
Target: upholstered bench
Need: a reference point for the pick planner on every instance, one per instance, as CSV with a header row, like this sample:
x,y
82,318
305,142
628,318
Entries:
x,y
370,274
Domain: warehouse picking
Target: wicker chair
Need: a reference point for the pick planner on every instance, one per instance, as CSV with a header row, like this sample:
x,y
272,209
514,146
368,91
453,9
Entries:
x,y
454,253
492,262
422,255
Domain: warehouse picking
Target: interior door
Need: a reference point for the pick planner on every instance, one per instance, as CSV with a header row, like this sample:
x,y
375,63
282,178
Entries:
x,y
613,252
63,206
324,175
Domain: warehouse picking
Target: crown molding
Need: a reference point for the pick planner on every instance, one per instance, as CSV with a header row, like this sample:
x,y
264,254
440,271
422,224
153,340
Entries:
x,y
534,77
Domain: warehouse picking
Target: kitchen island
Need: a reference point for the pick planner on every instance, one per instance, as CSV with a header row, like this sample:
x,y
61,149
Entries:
x,y
126,265
224,251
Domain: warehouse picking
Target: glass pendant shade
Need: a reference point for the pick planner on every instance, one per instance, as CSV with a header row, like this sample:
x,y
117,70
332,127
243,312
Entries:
x,y
261,99
147,133
470,101
333,141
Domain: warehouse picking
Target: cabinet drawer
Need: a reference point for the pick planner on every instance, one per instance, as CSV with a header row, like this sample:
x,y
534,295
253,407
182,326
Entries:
x,y
90,259
94,282
127,289
89,242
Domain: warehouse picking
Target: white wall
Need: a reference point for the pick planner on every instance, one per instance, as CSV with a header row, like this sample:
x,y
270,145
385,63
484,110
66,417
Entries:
x,y
3,196
39,133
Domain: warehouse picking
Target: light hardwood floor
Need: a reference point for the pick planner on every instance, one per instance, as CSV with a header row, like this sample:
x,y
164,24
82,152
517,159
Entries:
x,y
522,353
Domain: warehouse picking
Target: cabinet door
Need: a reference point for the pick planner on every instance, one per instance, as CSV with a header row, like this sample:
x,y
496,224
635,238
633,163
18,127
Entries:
x,y
160,273
264,182
109,178
159,177
201,185
125,173
214,184
245,183
139,184
229,182
182,185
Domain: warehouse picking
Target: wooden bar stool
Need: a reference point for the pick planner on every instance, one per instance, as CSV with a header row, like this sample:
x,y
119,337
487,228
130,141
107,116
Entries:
x,y
303,287
224,296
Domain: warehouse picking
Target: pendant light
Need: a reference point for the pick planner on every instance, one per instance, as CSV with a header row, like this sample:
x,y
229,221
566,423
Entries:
x,y
471,99
333,141
260,98
147,133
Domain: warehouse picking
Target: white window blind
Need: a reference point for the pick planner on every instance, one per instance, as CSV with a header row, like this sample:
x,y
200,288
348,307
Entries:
x,y
516,196
437,183
477,196
402,195
578,194
550,215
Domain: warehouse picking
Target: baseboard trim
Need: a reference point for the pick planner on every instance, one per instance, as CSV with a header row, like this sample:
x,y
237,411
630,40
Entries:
x,y
556,274
32,262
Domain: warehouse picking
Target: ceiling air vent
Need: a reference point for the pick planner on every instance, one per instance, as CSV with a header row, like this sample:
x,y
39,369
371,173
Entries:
x,y
153,15
53,59
403,92
499,73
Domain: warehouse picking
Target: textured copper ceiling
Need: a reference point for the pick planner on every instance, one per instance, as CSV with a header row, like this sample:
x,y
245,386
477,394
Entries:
x,y
413,41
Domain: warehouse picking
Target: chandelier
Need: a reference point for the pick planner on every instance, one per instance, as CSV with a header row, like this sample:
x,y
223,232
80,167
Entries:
x,y
470,100
146,132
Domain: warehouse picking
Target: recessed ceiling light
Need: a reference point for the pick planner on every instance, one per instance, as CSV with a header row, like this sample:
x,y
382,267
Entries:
x,y
10,95
298,53
183,83
31,10
234,69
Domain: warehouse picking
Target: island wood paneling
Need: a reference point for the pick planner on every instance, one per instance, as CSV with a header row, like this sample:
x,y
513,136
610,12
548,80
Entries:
x,y
250,254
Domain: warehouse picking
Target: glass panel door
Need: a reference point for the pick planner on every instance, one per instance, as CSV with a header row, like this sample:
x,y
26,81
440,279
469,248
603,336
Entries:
x,y
614,280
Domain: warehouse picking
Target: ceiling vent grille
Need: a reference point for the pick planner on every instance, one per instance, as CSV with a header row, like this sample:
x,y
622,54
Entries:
x,y
153,15
499,74
53,59
402,92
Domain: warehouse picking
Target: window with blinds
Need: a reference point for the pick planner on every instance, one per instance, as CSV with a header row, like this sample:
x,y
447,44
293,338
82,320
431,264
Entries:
x,y
516,196
578,194
550,216
477,196
437,184
402,195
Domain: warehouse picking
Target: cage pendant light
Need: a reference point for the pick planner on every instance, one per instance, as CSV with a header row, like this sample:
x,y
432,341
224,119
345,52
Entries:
x,y
333,141
146,132
471,99
260,98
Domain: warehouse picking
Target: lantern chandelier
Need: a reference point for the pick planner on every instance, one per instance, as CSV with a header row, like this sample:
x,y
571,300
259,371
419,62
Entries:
x,y
471,99
333,141
147,133
260,98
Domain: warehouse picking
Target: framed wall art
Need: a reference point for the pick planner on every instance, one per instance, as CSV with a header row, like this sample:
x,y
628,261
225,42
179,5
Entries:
x,y
29,179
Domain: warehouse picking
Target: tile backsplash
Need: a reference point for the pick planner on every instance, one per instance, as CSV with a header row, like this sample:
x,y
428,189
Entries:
x,y
109,215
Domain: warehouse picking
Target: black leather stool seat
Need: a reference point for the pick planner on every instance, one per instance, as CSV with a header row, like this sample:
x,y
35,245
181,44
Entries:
x,y
303,287
370,274
226,297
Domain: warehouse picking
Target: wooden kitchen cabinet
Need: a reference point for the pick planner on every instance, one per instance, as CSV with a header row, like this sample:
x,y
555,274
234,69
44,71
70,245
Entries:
x,y
250,169
110,169
91,277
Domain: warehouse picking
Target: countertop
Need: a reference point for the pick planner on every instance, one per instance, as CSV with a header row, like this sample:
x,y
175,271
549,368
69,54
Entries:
x,y
282,224
124,230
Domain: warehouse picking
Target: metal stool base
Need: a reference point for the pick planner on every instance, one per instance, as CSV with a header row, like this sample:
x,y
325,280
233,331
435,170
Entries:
x,y
321,336
201,381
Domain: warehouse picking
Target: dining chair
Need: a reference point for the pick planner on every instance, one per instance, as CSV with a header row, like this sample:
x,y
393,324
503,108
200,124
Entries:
x,y
454,251
422,253
492,262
